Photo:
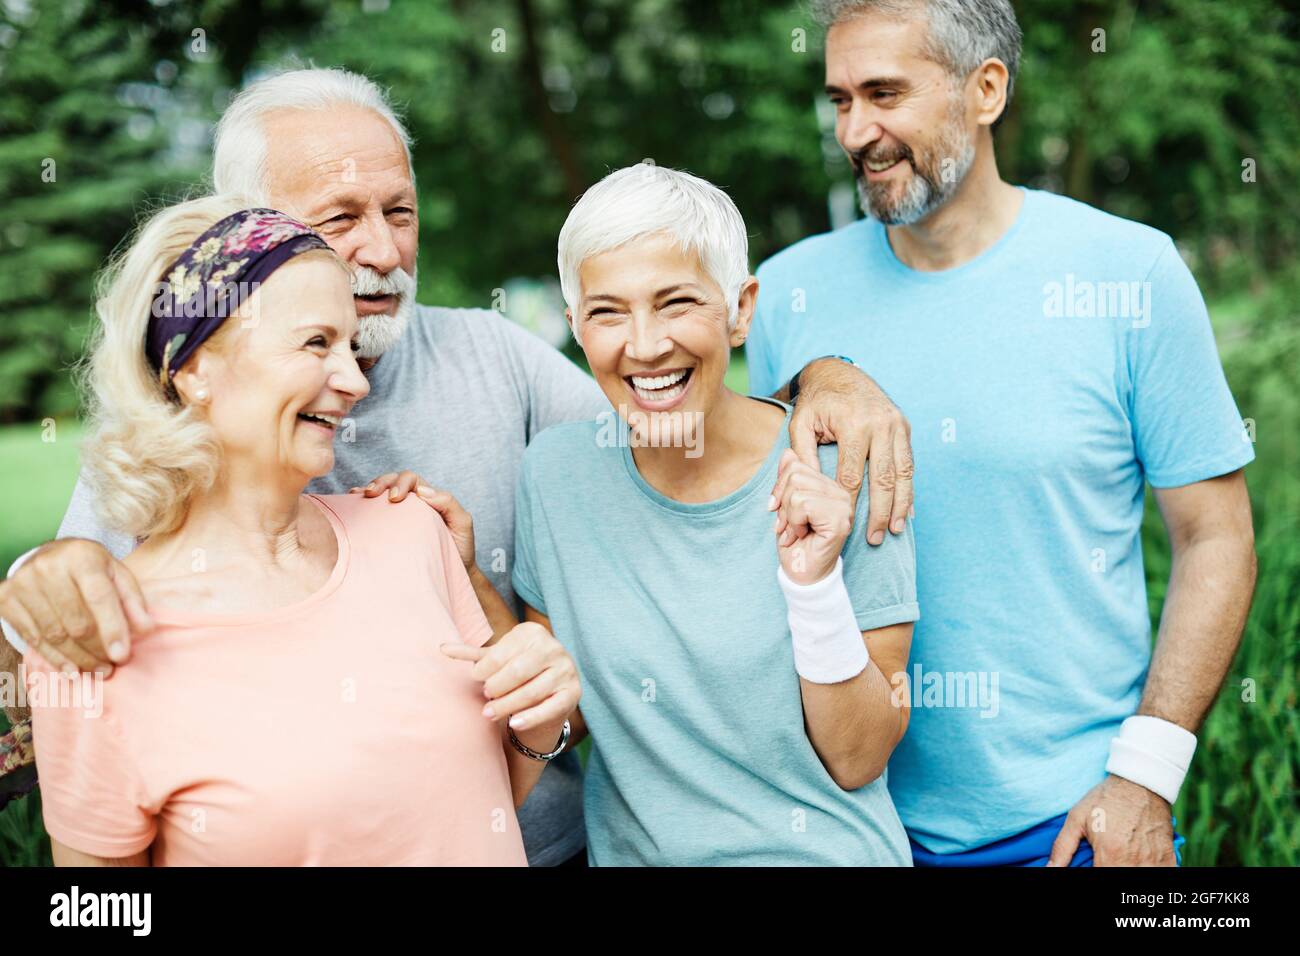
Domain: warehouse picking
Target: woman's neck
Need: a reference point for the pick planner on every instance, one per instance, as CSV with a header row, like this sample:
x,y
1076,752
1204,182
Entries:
x,y
734,437
241,519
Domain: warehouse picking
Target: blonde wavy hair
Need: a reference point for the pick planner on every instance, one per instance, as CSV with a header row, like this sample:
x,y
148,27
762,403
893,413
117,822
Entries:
x,y
146,454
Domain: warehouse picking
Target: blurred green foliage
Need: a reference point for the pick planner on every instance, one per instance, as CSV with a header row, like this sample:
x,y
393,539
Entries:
x,y
1181,113
518,105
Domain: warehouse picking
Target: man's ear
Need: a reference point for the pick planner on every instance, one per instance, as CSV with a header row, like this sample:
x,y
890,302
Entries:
x,y
744,312
990,80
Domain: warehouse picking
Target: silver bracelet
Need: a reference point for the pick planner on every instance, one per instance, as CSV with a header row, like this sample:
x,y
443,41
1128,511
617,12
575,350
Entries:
x,y
532,754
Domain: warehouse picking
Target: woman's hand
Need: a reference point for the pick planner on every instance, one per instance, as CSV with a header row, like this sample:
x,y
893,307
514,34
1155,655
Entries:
x,y
457,519
528,679
814,515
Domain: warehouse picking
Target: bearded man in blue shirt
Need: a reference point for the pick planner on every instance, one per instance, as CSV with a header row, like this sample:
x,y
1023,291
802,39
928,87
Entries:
x,y
1052,359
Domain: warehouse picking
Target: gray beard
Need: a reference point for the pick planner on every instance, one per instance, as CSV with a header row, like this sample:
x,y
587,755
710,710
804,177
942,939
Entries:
x,y
923,194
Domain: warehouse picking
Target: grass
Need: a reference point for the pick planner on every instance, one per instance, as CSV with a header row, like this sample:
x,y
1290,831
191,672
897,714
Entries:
x,y
36,481
22,835
1240,804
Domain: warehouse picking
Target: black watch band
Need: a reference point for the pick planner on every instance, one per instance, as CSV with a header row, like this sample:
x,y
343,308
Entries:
x,y
794,382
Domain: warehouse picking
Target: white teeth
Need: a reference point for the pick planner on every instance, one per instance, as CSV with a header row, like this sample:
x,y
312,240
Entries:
x,y
329,419
659,381
661,388
662,395
880,167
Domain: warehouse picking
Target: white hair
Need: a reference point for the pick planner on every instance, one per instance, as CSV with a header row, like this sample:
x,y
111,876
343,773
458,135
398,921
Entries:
x,y
239,149
644,200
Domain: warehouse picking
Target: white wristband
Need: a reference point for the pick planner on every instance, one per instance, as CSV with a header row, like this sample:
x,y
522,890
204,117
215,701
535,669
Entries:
x,y
828,644
1153,753
10,634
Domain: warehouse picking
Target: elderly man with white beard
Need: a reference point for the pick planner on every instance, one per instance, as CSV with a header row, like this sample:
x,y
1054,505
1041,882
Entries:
x,y
455,396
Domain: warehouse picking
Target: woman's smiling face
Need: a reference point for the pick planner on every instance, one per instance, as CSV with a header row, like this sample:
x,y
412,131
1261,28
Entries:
x,y
653,325
281,381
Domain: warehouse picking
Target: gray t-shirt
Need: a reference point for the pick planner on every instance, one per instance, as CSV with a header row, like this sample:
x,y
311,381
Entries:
x,y
457,400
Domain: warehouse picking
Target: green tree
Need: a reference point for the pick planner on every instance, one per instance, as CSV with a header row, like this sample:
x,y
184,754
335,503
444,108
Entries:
x,y
76,157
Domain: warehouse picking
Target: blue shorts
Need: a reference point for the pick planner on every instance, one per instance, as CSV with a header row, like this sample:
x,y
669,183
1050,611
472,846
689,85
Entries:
x,y
1031,848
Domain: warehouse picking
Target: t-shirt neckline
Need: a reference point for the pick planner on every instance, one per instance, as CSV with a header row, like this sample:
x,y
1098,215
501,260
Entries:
x,y
765,473
166,615
943,275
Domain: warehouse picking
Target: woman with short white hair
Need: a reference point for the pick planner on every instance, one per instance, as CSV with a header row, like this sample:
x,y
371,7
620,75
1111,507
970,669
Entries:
x,y
302,695
739,690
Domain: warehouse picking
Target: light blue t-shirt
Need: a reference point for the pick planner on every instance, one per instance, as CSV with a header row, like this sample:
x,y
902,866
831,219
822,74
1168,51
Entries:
x,y
1044,381
675,618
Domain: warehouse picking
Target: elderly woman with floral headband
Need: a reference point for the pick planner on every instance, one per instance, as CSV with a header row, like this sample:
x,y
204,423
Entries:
x,y
306,696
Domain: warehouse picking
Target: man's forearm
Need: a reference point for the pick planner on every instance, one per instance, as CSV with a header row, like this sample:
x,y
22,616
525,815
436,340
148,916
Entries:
x,y
498,612
11,659
787,392
1210,588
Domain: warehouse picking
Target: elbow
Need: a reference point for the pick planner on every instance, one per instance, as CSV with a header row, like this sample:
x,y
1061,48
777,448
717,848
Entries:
x,y
857,774
855,769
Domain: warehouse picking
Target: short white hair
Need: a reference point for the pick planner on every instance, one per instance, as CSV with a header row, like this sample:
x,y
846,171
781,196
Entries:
x,y
239,149
645,200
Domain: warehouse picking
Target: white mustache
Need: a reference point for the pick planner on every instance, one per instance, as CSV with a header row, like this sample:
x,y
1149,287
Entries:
x,y
368,281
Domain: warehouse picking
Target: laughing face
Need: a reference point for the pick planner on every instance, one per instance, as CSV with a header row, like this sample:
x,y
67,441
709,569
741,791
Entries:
x,y
653,325
899,117
283,376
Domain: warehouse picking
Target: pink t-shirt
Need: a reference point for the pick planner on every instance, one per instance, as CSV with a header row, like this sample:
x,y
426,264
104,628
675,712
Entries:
x,y
329,732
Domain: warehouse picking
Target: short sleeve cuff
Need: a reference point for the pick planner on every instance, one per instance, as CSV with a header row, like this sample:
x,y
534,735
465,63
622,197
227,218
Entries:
x,y
885,616
108,847
527,593
1203,471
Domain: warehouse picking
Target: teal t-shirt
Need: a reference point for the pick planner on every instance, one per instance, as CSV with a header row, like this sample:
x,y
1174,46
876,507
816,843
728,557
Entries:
x,y
675,618
1046,381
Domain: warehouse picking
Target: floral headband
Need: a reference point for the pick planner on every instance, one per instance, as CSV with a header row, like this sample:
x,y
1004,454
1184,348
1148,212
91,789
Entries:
x,y
220,270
